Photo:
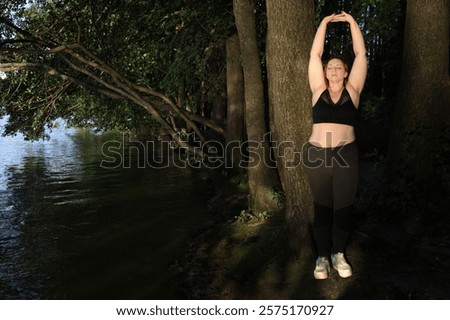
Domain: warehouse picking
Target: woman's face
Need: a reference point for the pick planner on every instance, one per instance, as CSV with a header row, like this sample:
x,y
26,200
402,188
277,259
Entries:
x,y
335,70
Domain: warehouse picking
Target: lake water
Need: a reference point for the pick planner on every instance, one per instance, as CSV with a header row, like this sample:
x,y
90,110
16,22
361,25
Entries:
x,y
71,228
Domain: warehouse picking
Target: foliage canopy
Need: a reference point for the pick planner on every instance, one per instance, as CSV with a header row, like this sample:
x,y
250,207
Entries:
x,y
109,61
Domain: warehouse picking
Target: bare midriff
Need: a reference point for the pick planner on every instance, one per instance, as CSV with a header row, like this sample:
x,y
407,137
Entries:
x,y
330,135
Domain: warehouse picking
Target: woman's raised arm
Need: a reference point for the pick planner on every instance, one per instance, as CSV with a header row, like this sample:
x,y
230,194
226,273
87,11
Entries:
x,y
315,68
357,76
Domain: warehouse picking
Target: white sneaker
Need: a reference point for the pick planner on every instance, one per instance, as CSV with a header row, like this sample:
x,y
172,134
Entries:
x,y
339,264
322,268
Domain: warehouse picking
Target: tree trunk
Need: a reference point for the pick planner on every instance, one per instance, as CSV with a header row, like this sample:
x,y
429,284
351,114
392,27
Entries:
x,y
425,62
422,105
235,101
219,110
289,37
262,176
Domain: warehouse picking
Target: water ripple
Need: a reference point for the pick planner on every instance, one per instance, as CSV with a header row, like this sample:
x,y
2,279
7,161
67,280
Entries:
x,y
70,229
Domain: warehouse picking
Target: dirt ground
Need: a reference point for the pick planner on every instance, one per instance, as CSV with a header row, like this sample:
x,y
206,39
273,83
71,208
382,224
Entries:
x,y
390,260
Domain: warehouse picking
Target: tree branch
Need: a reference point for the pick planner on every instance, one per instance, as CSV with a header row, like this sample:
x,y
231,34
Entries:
x,y
207,122
117,87
42,68
21,31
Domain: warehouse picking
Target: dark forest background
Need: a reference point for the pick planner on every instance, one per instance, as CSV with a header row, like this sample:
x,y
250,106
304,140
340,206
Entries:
x,y
200,72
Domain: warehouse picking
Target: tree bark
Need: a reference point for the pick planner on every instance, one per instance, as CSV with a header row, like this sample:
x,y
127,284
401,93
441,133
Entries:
x,y
423,97
425,62
235,102
262,177
289,37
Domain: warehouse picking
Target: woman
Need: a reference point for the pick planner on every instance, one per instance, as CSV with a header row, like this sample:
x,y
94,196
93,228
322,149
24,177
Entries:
x,y
332,156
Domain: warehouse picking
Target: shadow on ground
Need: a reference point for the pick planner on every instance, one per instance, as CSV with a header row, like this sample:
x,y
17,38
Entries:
x,y
235,260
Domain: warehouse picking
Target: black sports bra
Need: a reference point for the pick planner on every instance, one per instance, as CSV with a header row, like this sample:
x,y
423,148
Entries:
x,y
342,112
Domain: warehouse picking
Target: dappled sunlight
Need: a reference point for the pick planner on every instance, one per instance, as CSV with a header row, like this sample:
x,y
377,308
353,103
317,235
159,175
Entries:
x,y
244,261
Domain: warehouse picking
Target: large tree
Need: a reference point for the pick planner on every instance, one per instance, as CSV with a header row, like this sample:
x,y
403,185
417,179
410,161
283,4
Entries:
x,y
423,101
289,37
262,176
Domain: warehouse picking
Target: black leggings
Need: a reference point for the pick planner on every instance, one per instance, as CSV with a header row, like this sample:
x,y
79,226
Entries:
x,y
333,178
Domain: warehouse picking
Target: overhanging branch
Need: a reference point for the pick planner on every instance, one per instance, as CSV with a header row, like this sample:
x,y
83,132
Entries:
x,y
42,68
104,79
